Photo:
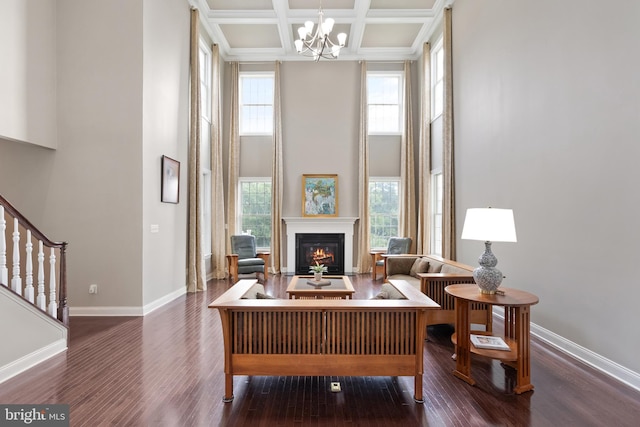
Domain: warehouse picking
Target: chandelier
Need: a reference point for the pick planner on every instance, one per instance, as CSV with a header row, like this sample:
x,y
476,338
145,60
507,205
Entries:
x,y
317,44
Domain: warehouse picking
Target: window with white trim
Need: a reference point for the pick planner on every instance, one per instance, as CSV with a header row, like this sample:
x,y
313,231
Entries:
x,y
437,80
385,102
436,213
205,145
384,208
254,199
256,103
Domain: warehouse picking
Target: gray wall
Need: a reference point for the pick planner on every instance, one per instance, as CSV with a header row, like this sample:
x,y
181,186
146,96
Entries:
x,y
165,132
96,184
547,118
28,71
320,102
20,349
118,111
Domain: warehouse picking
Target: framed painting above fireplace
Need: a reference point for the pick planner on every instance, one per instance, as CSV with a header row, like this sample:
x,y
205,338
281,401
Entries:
x,y
319,195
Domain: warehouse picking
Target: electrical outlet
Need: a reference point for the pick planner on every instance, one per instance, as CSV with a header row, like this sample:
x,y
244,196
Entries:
x,y
335,387
93,289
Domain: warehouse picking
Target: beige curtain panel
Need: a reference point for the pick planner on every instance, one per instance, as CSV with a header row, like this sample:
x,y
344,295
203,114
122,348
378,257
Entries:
x,y
195,265
364,259
407,170
423,241
234,155
276,178
218,233
448,184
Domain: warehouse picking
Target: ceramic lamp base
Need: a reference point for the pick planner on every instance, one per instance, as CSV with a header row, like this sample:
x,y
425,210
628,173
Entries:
x,y
487,276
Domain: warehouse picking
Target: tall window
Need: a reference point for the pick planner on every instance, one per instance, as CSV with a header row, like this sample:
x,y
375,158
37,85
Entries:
x,y
436,213
437,80
384,98
255,209
205,146
384,202
256,103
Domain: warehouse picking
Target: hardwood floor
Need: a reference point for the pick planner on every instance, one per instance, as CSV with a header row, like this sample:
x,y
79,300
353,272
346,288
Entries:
x,y
166,369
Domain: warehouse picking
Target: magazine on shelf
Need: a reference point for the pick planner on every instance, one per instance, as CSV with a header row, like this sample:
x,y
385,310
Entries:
x,y
489,342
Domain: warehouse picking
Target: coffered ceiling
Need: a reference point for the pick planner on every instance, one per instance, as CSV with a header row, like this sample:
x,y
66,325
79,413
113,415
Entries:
x,y
265,30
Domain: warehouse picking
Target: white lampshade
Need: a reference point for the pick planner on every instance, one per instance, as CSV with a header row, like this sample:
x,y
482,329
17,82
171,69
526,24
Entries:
x,y
489,224
302,32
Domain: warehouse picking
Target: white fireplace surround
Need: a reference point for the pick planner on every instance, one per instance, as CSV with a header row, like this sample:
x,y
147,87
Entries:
x,y
296,225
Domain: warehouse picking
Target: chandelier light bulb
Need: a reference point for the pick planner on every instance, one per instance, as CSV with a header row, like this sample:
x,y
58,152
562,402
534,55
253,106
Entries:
x,y
327,26
309,26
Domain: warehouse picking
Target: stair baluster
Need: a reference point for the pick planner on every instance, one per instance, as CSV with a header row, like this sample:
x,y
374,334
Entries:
x,y
28,289
4,271
42,297
53,305
16,280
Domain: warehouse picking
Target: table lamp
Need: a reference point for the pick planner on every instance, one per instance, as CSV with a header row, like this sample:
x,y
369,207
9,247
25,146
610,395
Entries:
x,y
489,225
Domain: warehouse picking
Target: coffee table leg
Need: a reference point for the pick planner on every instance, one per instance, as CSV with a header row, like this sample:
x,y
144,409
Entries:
x,y
463,352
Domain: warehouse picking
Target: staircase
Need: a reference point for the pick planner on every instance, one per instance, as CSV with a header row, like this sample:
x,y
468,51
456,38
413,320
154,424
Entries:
x,y
28,248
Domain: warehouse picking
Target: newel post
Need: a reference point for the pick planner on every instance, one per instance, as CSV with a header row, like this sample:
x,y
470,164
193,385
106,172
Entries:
x,y
63,309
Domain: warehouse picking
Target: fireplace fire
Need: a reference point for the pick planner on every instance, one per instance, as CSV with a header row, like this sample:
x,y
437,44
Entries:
x,y
323,256
327,249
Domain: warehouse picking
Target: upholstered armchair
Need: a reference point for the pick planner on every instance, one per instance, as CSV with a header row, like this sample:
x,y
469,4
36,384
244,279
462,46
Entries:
x,y
245,259
396,246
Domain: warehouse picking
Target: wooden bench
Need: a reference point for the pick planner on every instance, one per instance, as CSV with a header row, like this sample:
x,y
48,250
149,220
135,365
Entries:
x,y
323,337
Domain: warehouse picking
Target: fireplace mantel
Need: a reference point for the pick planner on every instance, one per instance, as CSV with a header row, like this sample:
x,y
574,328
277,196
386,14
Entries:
x,y
296,225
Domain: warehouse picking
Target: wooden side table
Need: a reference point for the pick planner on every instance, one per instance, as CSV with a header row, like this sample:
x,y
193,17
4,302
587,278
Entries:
x,y
516,305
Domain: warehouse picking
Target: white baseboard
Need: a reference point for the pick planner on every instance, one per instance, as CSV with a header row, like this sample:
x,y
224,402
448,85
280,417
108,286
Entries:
x,y
584,355
115,311
105,311
30,360
164,300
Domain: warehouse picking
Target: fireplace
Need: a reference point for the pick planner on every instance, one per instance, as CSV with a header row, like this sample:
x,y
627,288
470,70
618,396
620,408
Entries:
x,y
323,248
301,225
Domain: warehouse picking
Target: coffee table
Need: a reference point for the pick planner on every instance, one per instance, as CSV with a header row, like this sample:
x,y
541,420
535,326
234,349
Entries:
x,y
340,288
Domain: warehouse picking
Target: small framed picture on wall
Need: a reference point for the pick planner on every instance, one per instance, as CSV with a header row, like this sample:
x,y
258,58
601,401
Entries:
x,y
170,181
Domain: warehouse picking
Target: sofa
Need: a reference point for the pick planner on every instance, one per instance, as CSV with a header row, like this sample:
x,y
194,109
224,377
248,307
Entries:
x,y
378,337
431,274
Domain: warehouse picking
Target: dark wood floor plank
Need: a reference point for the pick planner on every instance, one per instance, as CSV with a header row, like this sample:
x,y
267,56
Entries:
x,y
166,369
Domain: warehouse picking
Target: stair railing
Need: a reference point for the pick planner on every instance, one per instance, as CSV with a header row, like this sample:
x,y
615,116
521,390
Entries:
x,y
48,295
